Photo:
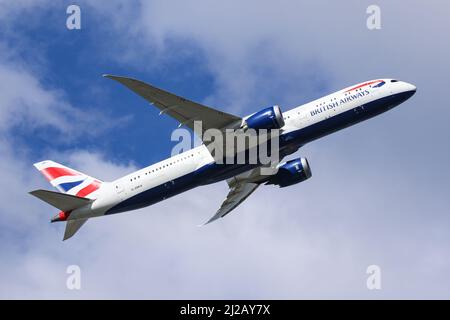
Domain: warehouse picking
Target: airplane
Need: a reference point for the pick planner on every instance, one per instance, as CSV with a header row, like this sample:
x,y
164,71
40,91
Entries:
x,y
82,197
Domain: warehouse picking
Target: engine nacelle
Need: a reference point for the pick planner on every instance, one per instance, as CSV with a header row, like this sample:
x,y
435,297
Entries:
x,y
269,118
291,172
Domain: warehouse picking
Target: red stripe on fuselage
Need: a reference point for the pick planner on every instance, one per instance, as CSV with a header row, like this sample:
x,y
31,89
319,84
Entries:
x,y
88,189
53,173
363,85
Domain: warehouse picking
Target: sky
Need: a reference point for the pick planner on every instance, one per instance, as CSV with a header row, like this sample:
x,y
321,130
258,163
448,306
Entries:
x,y
379,191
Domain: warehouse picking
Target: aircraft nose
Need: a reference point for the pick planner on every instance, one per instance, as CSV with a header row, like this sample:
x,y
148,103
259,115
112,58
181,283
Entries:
x,y
410,88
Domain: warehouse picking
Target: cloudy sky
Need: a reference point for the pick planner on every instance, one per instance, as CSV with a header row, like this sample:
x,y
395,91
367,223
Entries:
x,y
379,193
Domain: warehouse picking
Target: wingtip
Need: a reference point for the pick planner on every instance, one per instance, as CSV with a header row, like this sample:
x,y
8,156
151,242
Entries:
x,y
203,224
112,76
122,79
209,221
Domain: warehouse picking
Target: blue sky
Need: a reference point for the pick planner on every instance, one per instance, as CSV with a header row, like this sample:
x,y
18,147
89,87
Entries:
x,y
379,192
75,61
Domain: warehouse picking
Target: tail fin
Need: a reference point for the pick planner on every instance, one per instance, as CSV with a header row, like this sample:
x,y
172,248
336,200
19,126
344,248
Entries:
x,y
68,180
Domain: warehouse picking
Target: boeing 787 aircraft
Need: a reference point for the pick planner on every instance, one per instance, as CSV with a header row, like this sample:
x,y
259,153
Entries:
x,y
82,197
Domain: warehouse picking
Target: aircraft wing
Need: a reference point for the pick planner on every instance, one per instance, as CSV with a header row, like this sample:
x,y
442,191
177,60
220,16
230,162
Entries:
x,y
183,110
241,187
236,195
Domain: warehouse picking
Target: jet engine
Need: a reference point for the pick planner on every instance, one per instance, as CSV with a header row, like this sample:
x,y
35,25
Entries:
x,y
269,118
291,172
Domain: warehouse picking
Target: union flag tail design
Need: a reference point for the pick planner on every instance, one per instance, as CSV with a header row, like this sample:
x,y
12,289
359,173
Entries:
x,y
68,180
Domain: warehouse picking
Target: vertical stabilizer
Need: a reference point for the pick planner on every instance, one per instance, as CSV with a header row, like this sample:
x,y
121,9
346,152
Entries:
x,y
68,180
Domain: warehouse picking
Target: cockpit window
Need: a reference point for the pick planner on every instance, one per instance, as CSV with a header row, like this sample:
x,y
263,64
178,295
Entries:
x,y
394,80
379,84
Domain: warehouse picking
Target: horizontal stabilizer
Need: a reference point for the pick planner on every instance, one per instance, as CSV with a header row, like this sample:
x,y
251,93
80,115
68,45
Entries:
x,y
72,226
62,201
